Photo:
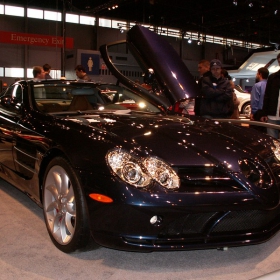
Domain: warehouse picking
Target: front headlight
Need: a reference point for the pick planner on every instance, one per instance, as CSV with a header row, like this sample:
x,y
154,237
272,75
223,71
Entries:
x,y
162,173
139,172
128,168
276,148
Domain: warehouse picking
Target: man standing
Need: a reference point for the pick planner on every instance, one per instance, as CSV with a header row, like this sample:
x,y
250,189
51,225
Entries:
x,y
217,93
47,69
203,68
204,71
271,102
258,90
38,73
81,73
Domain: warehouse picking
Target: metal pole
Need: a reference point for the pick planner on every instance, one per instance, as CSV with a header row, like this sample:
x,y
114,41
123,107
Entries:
x,y
64,38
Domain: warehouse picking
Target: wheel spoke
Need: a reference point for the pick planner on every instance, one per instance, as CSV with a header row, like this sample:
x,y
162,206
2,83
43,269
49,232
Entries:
x,y
55,229
66,229
53,190
52,207
71,208
65,184
70,197
70,223
57,180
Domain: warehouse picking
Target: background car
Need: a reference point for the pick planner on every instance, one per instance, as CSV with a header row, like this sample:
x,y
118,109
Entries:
x,y
245,101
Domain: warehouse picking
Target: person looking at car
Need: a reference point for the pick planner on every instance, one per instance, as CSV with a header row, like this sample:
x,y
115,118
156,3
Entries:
x,y
47,68
81,73
204,71
204,68
271,102
236,102
216,93
38,73
257,93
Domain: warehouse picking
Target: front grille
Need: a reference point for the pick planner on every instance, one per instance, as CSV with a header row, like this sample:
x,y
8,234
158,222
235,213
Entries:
x,y
204,224
246,220
189,224
207,179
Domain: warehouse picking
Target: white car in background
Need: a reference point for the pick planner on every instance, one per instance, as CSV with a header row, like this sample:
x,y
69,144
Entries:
x,y
245,101
243,97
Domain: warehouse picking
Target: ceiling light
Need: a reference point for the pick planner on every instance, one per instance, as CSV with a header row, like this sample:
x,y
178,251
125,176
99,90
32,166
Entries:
x,y
234,3
189,40
247,80
199,42
113,7
251,4
275,12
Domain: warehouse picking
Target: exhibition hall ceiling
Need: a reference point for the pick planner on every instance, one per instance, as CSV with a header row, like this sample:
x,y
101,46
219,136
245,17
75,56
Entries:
x,y
248,20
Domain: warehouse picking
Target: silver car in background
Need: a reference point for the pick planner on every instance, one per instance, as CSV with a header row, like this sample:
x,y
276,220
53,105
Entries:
x,y
245,101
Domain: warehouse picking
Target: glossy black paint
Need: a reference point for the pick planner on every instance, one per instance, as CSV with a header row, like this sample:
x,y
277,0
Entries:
x,y
30,139
158,54
217,203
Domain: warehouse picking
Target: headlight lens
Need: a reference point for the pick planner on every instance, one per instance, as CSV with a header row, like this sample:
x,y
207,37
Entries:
x,y
141,173
276,148
162,173
128,168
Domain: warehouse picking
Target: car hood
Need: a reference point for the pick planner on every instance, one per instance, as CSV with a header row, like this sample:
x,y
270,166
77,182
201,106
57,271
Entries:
x,y
192,142
155,52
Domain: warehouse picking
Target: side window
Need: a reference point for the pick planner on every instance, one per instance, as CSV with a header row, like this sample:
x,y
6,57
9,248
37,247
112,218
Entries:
x,y
17,93
11,100
14,91
9,91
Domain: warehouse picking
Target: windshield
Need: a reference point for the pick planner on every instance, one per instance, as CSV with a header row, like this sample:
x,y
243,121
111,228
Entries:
x,y
71,97
120,95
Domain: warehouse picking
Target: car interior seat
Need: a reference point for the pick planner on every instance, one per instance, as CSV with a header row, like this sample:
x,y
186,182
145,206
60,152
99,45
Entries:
x,y
80,103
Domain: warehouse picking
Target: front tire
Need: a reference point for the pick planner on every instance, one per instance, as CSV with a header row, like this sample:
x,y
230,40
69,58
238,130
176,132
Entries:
x,y
64,206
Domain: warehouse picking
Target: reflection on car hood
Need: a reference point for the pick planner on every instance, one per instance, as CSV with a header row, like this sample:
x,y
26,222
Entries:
x,y
165,61
186,137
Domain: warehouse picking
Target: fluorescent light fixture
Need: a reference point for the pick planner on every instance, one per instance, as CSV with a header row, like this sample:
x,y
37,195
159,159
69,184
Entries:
x,y
14,11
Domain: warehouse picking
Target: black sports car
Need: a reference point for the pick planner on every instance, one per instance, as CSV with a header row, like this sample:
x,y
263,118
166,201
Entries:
x,y
139,180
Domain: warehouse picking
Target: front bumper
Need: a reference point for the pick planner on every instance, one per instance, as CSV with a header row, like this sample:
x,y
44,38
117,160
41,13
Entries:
x,y
215,216
129,228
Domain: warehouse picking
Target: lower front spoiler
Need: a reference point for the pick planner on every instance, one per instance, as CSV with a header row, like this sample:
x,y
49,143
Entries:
x,y
152,243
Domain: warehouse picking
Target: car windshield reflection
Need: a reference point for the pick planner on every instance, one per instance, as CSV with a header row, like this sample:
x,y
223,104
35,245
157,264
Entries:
x,y
71,97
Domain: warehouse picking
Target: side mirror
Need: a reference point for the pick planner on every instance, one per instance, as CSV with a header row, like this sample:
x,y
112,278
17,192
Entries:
x,y
11,103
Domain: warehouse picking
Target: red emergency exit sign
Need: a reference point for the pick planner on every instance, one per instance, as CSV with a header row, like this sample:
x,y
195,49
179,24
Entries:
x,y
35,39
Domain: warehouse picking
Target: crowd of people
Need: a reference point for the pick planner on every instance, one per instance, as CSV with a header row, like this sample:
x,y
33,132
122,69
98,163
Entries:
x,y
271,102
216,98
43,72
